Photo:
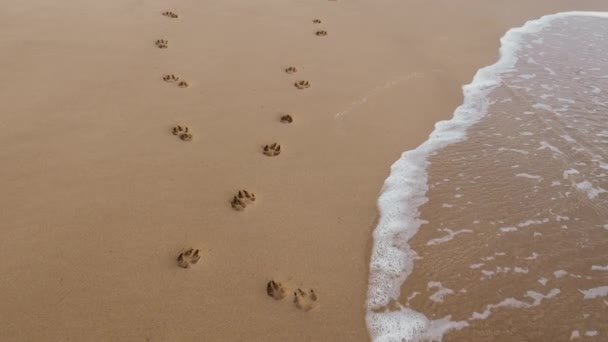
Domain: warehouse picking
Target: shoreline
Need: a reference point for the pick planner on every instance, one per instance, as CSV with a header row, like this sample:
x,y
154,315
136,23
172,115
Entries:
x,y
407,183
108,197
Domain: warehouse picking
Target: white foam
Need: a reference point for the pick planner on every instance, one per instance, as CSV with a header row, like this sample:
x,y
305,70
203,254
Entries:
x,y
591,333
515,303
508,229
531,222
568,138
560,273
544,145
570,172
406,324
533,256
501,149
575,334
588,188
446,238
542,106
529,176
440,293
599,268
404,192
601,291
543,281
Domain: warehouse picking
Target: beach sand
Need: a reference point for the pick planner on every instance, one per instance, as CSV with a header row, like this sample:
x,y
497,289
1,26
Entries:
x,y
99,197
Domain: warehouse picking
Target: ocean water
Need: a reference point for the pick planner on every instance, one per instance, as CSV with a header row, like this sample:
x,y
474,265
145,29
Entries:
x,y
496,227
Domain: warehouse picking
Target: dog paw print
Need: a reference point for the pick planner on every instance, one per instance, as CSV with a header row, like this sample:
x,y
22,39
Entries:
x,y
162,43
170,78
182,132
189,257
272,150
321,33
286,119
241,200
317,21
302,84
170,14
183,84
305,300
276,290
291,70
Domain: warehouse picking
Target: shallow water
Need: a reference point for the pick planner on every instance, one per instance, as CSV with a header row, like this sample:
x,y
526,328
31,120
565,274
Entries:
x,y
503,234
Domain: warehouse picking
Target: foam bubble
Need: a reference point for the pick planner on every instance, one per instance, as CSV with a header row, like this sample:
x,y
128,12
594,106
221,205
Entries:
x,y
588,188
446,238
440,293
601,291
560,273
406,324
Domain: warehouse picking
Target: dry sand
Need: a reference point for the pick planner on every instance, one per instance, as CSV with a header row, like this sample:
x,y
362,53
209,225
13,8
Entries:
x,y
99,197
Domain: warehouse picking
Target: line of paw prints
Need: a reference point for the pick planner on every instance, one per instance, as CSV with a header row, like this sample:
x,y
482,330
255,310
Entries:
x,y
304,300
182,132
242,199
171,78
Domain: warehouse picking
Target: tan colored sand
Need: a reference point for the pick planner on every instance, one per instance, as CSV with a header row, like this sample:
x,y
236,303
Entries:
x,y
99,198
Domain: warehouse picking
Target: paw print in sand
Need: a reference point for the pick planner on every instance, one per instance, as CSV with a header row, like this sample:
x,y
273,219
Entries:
x,y
162,43
302,84
272,150
316,21
182,132
276,290
189,257
170,78
321,33
242,200
305,300
287,119
183,84
170,15
291,70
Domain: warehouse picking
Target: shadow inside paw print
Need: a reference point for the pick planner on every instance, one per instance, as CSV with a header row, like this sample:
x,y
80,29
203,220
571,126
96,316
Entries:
x,y
170,14
302,84
321,33
305,300
276,290
162,43
272,150
291,70
242,199
182,132
287,119
170,78
189,257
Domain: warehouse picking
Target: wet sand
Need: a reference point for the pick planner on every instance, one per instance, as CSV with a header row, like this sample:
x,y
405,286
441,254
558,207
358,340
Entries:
x,y
99,197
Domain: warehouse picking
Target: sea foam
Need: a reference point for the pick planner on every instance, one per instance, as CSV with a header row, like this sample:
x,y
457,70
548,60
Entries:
x,y
404,192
